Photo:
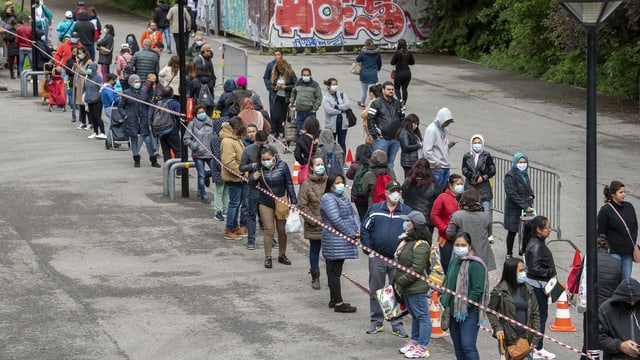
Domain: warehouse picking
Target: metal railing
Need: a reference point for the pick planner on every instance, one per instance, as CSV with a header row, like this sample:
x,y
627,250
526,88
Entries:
x,y
235,62
546,188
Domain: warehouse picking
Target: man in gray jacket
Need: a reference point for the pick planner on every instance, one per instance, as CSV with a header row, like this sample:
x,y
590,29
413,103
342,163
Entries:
x,y
436,145
146,61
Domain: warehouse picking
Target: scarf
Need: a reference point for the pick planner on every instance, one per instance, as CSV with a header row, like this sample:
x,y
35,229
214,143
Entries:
x,y
462,288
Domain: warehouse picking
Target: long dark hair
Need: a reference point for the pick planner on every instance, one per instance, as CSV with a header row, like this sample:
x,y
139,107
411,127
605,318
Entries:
x,y
264,150
531,229
420,232
311,126
611,189
363,154
509,272
409,120
420,175
376,90
330,180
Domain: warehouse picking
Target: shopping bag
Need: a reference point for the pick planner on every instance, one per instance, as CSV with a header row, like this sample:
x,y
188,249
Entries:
x,y
391,307
293,224
581,302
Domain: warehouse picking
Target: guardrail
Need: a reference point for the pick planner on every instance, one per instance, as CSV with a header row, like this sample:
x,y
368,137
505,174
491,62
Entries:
x,y
24,91
169,176
234,62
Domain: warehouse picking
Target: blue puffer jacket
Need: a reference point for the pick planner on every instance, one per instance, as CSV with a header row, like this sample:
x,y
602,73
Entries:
x,y
337,212
278,180
371,64
381,228
136,114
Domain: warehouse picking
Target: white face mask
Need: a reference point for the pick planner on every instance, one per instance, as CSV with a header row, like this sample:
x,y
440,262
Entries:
x,y
521,166
460,251
395,197
522,277
334,88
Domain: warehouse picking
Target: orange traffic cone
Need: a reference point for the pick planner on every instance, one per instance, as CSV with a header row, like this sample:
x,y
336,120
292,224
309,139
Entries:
x,y
563,317
349,158
294,174
434,313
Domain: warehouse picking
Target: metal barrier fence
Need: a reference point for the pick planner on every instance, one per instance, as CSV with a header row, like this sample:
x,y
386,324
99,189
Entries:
x,y
546,188
235,62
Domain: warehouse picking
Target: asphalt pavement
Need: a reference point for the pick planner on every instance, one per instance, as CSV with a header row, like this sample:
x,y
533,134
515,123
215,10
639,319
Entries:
x,y
95,263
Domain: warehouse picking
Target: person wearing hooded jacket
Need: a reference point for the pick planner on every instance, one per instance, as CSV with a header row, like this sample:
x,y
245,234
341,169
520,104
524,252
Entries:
x,y
228,87
378,166
231,148
198,138
136,119
370,64
160,18
86,33
618,329
91,90
519,197
478,168
436,146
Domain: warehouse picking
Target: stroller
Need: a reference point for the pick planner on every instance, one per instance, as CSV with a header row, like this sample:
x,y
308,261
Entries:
x,y
57,93
116,136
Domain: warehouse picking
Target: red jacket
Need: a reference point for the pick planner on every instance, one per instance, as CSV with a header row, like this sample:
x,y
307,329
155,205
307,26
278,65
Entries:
x,y
444,206
24,36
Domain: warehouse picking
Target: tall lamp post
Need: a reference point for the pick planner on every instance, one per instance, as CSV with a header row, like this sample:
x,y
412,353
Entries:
x,y
591,14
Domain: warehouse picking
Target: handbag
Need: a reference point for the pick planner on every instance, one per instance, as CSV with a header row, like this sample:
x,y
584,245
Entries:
x,y
519,350
636,248
355,68
391,307
393,73
553,289
351,117
303,174
282,204
104,50
445,319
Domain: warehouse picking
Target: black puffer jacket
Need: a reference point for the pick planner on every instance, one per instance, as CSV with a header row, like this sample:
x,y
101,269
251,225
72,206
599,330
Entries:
x,y
484,168
539,261
409,146
618,320
421,199
277,180
519,196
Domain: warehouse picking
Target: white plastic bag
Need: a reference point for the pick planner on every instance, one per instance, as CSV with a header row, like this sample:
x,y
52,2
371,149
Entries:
x,y
581,302
293,224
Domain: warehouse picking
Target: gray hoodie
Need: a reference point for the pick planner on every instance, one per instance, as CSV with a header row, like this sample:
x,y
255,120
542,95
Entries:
x,y
436,140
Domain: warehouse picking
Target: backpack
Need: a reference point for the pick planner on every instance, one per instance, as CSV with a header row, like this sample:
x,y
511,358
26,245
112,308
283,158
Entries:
x,y
381,184
358,180
204,96
129,69
331,161
162,122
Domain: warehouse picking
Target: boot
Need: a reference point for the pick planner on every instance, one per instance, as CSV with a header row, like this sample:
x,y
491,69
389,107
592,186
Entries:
x,y
13,75
315,278
136,161
154,161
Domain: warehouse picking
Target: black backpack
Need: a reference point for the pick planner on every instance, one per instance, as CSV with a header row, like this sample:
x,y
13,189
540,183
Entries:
x,y
162,122
204,96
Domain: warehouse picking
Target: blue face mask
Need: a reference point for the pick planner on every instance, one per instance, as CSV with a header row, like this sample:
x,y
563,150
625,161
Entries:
x,y
74,40
476,147
522,277
306,78
405,226
137,85
267,163
319,170
89,71
201,116
458,189
339,189
459,251
81,56
199,43
130,42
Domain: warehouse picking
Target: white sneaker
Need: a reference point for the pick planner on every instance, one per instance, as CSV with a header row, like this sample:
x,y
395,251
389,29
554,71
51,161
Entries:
x,y
407,347
101,136
92,136
417,352
543,354
81,127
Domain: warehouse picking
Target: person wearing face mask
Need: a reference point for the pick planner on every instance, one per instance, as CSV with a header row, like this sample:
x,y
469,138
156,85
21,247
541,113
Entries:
x,y
92,99
445,205
334,104
66,26
195,48
380,230
170,141
204,60
274,176
86,33
410,140
436,146
619,329
309,198
478,168
122,60
146,61
136,118
306,97
540,269
80,70
519,197
231,148
467,276
414,253
337,212
378,167
133,44
70,82
198,138
472,219
152,33
105,46
514,298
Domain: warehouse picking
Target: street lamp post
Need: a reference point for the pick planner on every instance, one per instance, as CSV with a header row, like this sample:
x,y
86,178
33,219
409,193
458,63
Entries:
x,y
591,14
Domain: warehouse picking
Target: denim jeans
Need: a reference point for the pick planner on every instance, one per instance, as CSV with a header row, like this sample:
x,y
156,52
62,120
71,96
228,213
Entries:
x,y
544,312
300,116
250,211
314,253
391,147
23,53
420,319
441,177
202,192
379,271
233,209
465,335
165,35
135,148
627,264
486,205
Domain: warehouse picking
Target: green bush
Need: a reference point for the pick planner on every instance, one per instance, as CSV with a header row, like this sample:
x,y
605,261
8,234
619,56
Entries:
x,y
620,73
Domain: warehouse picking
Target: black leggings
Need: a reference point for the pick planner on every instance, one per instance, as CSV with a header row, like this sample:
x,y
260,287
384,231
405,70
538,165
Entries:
x,y
334,271
511,236
95,117
279,114
168,142
401,84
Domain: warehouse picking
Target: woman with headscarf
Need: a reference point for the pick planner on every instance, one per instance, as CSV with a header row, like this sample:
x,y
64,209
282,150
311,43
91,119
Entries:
x,y
519,197
401,59
331,152
478,169
250,115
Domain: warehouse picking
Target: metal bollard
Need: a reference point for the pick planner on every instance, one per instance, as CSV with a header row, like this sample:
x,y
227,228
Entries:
x,y
172,178
166,173
24,91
